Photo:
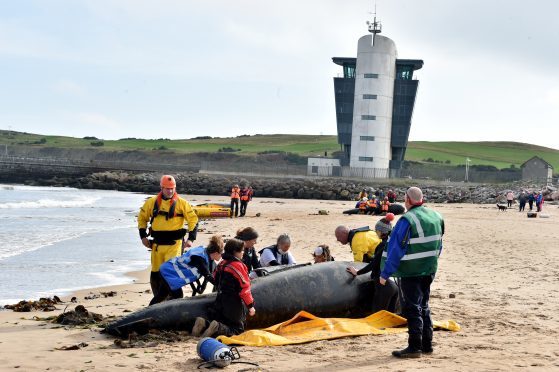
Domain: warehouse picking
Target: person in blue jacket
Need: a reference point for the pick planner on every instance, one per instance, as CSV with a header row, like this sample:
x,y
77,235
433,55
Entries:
x,y
412,255
194,264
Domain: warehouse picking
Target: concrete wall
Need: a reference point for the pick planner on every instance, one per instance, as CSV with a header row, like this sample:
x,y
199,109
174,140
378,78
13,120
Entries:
x,y
322,166
378,59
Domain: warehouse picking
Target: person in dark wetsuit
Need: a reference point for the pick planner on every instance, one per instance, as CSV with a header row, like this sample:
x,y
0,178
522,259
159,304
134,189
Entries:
x,y
234,298
194,264
385,296
250,258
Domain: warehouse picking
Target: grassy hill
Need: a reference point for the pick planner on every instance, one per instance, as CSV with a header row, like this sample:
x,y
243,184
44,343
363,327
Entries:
x,y
498,154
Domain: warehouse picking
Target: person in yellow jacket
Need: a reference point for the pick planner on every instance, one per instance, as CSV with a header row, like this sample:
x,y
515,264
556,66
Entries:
x,y
166,214
362,241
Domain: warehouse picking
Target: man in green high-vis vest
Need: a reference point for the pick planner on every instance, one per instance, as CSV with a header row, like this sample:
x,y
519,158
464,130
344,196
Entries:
x,y
412,255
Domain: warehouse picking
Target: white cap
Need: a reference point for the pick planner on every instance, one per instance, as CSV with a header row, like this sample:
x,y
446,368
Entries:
x,y
318,251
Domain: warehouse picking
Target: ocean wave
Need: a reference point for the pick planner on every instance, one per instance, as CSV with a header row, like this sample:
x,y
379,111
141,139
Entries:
x,y
51,203
35,188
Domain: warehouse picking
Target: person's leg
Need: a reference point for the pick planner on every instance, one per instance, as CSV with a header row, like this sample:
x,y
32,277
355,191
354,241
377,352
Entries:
x,y
236,207
155,280
162,292
177,294
530,204
383,298
232,207
243,207
427,335
411,291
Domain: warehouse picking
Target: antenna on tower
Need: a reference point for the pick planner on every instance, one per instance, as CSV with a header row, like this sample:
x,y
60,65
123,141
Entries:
x,y
375,27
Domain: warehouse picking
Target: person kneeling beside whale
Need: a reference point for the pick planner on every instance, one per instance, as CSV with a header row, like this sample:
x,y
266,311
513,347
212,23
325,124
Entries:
x,y
194,264
234,298
277,254
385,296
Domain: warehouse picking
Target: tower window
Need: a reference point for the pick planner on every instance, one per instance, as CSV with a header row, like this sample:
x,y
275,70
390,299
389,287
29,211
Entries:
x,y
365,158
369,96
371,76
368,117
367,138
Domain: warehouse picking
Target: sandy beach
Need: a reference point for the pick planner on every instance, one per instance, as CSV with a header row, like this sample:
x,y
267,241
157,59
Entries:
x,y
498,277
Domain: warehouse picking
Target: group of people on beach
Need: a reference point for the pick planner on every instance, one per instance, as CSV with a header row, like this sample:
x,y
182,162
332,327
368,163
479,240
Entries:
x,y
533,198
240,196
410,255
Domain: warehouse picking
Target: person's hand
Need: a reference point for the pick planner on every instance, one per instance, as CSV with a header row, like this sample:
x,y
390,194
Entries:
x,y
186,244
146,243
352,270
251,311
382,281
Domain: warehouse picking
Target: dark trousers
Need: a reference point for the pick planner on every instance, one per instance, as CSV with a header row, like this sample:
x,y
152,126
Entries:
x,y
165,291
509,203
231,312
386,296
521,206
235,207
244,204
531,204
539,207
416,291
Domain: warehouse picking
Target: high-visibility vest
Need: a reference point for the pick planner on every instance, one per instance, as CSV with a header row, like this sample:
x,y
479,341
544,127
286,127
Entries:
x,y
245,194
177,272
385,205
235,193
424,246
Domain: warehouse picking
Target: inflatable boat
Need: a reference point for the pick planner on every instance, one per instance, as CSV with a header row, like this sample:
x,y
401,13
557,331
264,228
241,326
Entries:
x,y
212,210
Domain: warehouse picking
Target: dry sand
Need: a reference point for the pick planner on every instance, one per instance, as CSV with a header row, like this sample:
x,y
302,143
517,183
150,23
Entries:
x,y
502,268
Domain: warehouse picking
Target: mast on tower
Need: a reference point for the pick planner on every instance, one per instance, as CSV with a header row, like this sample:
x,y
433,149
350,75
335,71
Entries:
x,y
375,27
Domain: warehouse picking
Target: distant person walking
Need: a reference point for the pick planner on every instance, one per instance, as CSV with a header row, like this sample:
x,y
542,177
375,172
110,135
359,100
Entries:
x,y
245,198
235,197
522,199
531,200
510,198
391,196
539,202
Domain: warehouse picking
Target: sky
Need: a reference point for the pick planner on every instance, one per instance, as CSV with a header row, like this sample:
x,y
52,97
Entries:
x,y
186,68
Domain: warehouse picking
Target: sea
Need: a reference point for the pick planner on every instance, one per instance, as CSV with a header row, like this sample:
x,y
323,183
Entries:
x,y
56,240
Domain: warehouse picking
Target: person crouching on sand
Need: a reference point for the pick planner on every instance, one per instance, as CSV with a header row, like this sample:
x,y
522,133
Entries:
x,y
322,254
278,254
234,298
385,296
194,264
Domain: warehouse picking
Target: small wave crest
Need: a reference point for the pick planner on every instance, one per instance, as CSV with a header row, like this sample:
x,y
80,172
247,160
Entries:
x,y
51,203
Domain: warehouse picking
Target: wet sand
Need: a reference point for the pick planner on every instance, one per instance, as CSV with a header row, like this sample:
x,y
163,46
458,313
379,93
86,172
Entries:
x,y
498,277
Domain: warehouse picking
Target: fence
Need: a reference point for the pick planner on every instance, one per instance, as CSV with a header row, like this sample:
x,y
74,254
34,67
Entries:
x,y
93,165
254,169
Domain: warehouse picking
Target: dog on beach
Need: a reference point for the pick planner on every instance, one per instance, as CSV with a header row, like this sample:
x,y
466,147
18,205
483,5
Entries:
x,y
502,208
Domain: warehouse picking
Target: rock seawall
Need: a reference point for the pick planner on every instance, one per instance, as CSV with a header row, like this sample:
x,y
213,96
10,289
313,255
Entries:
x,y
320,188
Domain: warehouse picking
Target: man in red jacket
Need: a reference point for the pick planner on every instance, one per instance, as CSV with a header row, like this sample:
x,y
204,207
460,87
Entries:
x,y
234,298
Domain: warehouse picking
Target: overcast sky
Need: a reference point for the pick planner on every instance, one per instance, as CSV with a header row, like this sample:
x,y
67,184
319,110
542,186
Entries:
x,y
185,68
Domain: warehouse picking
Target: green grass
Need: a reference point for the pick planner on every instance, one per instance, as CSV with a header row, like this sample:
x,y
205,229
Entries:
x,y
498,154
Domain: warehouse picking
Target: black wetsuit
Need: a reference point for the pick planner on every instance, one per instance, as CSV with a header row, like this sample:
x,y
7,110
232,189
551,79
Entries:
x,y
385,296
229,308
250,258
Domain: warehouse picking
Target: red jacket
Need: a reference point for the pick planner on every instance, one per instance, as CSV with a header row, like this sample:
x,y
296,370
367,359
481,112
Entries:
x,y
237,270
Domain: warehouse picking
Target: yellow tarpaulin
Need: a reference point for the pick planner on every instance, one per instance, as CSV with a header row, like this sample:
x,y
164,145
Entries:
x,y
305,327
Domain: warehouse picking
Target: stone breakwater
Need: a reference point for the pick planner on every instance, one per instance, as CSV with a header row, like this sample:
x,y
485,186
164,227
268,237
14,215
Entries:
x,y
320,188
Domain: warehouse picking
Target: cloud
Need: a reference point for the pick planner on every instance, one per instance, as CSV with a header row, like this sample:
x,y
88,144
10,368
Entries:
x,y
94,119
68,87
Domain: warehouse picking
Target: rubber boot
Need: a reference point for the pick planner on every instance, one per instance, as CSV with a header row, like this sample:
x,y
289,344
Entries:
x,y
200,326
412,351
215,329
427,341
155,282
